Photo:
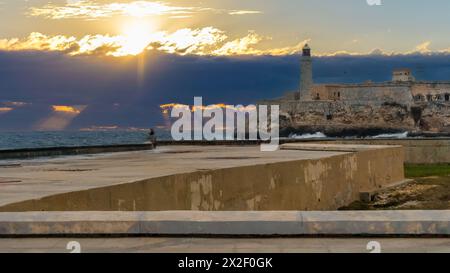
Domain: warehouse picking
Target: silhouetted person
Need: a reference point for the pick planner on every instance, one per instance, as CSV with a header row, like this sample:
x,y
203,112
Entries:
x,y
152,137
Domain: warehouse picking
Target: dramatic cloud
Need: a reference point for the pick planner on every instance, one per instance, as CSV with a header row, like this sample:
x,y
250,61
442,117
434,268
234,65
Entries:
x,y
188,41
204,41
240,46
91,10
166,108
59,119
38,41
421,49
183,41
67,109
8,106
5,109
207,41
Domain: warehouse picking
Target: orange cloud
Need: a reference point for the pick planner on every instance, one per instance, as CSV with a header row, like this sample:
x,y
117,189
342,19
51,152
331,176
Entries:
x,y
39,41
171,105
183,41
6,109
207,41
167,107
60,118
66,109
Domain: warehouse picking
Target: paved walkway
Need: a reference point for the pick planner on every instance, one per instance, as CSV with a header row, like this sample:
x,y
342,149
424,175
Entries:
x,y
232,245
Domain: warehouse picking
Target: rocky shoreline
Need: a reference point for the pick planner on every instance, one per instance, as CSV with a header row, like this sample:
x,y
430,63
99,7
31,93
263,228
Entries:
x,y
336,131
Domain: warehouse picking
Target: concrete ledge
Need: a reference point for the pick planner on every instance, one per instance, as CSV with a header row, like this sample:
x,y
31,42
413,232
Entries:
x,y
335,147
230,179
188,223
62,151
417,150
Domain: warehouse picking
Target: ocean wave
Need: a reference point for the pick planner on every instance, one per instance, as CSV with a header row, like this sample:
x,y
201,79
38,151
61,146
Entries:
x,y
398,135
309,136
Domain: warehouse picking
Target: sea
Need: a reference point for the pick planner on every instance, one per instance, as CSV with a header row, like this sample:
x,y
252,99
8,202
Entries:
x,y
30,140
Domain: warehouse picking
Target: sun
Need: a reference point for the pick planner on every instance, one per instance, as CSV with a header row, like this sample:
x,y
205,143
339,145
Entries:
x,y
137,35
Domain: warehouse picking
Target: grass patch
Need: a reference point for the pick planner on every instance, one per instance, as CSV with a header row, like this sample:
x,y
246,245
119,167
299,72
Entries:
x,y
425,170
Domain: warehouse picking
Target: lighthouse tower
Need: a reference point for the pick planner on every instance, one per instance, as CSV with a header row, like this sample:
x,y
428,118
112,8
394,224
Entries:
x,y
306,80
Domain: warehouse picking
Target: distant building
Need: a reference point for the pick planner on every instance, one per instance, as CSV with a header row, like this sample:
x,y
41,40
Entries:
x,y
403,103
403,88
402,75
306,75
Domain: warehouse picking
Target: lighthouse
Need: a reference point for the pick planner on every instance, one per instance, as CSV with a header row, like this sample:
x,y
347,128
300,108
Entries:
x,y
306,80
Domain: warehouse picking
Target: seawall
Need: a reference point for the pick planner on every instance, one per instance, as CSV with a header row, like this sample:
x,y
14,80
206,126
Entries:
x,y
220,178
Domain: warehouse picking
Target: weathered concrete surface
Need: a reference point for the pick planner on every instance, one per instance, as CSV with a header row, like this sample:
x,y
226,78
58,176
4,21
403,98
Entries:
x,y
275,223
417,151
224,245
200,178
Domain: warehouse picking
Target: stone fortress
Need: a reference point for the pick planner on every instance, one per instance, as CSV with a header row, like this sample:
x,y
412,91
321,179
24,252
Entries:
x,y
402,104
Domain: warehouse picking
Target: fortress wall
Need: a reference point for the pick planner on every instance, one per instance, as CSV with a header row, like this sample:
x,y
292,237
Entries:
x,y
378,105
425,89
375,93
322,92
303,106
382,93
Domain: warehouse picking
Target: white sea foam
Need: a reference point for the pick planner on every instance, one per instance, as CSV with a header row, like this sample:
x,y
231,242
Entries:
x,y
309,136
398,135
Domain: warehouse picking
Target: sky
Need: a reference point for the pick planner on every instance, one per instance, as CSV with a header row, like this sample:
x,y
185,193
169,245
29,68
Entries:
x,y
230,27
70,65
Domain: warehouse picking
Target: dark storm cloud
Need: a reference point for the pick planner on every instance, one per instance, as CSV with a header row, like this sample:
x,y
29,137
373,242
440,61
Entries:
x,y
117,92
